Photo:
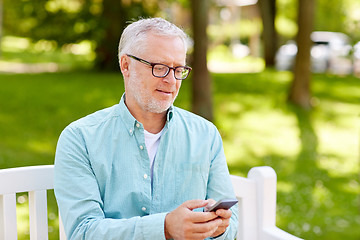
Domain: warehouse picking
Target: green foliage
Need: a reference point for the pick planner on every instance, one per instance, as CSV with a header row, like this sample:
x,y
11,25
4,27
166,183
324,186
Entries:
x,y
239,30
330,15
102,21
339,16
68,21
315,154
286,18
352,20
63,21
333,8
287,8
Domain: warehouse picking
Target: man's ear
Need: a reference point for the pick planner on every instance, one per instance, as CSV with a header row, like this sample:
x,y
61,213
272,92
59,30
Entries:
x,y
124,65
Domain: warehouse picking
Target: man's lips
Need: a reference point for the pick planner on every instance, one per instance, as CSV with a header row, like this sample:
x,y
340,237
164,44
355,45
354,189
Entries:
x,y
164,91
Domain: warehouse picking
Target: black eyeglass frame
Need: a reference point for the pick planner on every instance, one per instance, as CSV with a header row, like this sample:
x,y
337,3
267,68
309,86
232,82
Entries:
x,y
168,67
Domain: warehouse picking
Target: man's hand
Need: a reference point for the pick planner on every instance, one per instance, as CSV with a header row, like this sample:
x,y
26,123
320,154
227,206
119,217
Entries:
x,y
224,215
183,223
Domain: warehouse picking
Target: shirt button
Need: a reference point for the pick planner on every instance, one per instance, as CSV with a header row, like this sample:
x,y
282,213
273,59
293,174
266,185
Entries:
x,y
141,147
143,208
137,125
130,131
145,176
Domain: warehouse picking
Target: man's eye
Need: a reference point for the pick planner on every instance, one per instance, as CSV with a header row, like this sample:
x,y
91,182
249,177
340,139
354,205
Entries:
x,y
159,68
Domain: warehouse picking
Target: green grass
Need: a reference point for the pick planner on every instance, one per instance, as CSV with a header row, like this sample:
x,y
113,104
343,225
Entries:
x,y
17,50
315,153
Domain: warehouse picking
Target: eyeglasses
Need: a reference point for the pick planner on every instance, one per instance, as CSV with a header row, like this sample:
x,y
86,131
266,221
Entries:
x,y
161,70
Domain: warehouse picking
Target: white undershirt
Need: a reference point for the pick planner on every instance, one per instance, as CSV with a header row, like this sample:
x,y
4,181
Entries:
x,y
152,143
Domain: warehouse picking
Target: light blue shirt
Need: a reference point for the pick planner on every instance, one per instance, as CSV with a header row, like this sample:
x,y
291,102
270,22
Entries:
x,y
102,174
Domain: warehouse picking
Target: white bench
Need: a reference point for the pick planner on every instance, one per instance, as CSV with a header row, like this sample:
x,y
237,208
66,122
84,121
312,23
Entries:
x,y
256,195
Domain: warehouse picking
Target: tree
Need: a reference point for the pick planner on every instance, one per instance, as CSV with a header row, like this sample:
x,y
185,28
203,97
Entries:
x,y
300,87
114,19
50,20
270,39
1,25
201,81
100,21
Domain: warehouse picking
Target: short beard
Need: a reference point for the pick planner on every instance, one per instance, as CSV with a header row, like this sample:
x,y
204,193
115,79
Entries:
x,y
144,99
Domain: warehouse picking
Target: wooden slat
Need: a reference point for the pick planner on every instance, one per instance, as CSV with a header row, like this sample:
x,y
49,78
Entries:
x,y
8,225
275,233
38,215
265,178
25,179
245,192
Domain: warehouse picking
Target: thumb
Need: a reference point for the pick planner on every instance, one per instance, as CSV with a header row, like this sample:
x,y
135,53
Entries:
x,y
192,204
211,202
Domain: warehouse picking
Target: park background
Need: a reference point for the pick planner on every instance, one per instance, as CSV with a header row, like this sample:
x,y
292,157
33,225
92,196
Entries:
x,y
58,63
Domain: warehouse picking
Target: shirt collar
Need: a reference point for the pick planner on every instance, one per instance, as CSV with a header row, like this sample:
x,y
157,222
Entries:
x,y
129,120
170,113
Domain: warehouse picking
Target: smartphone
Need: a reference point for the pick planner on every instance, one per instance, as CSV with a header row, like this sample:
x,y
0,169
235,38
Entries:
x,y
222,204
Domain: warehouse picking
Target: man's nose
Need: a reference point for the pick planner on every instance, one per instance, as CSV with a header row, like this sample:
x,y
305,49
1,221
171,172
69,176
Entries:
x,y
170,78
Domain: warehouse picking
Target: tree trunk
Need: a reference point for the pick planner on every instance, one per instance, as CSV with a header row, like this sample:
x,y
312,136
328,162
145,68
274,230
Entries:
x,y
1,25
201,81
300,87
113,20
270,39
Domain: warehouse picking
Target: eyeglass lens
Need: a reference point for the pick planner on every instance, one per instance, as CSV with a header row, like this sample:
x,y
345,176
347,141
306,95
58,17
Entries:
x,y
160,70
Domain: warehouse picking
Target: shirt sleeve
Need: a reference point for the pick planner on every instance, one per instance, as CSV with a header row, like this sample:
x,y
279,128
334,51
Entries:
x,y
79,199
220,186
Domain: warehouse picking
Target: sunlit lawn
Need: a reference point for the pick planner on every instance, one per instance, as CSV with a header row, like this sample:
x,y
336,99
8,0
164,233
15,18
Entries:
x,y
315,153
43,54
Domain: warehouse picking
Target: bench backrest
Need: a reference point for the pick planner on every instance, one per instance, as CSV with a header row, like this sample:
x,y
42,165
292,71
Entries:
x,y
256,195
257,206
35,180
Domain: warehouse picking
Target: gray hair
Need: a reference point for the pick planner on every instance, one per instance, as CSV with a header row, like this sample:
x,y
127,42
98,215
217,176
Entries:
x,y
134,35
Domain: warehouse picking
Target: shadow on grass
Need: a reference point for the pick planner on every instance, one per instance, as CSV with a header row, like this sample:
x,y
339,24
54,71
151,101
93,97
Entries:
x,y
339,89
315,199
316,193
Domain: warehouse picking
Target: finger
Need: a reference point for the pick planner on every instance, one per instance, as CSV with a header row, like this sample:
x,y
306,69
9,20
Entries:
x,y
211,202
221,228
201,217
223,213
207,226
204,235
225,223
192,204
219,231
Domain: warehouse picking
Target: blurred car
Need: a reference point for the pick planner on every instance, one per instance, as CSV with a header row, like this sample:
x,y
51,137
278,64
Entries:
x,y
330,52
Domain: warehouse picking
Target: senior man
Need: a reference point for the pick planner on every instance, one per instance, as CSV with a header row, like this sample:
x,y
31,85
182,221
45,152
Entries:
x,y
144,169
